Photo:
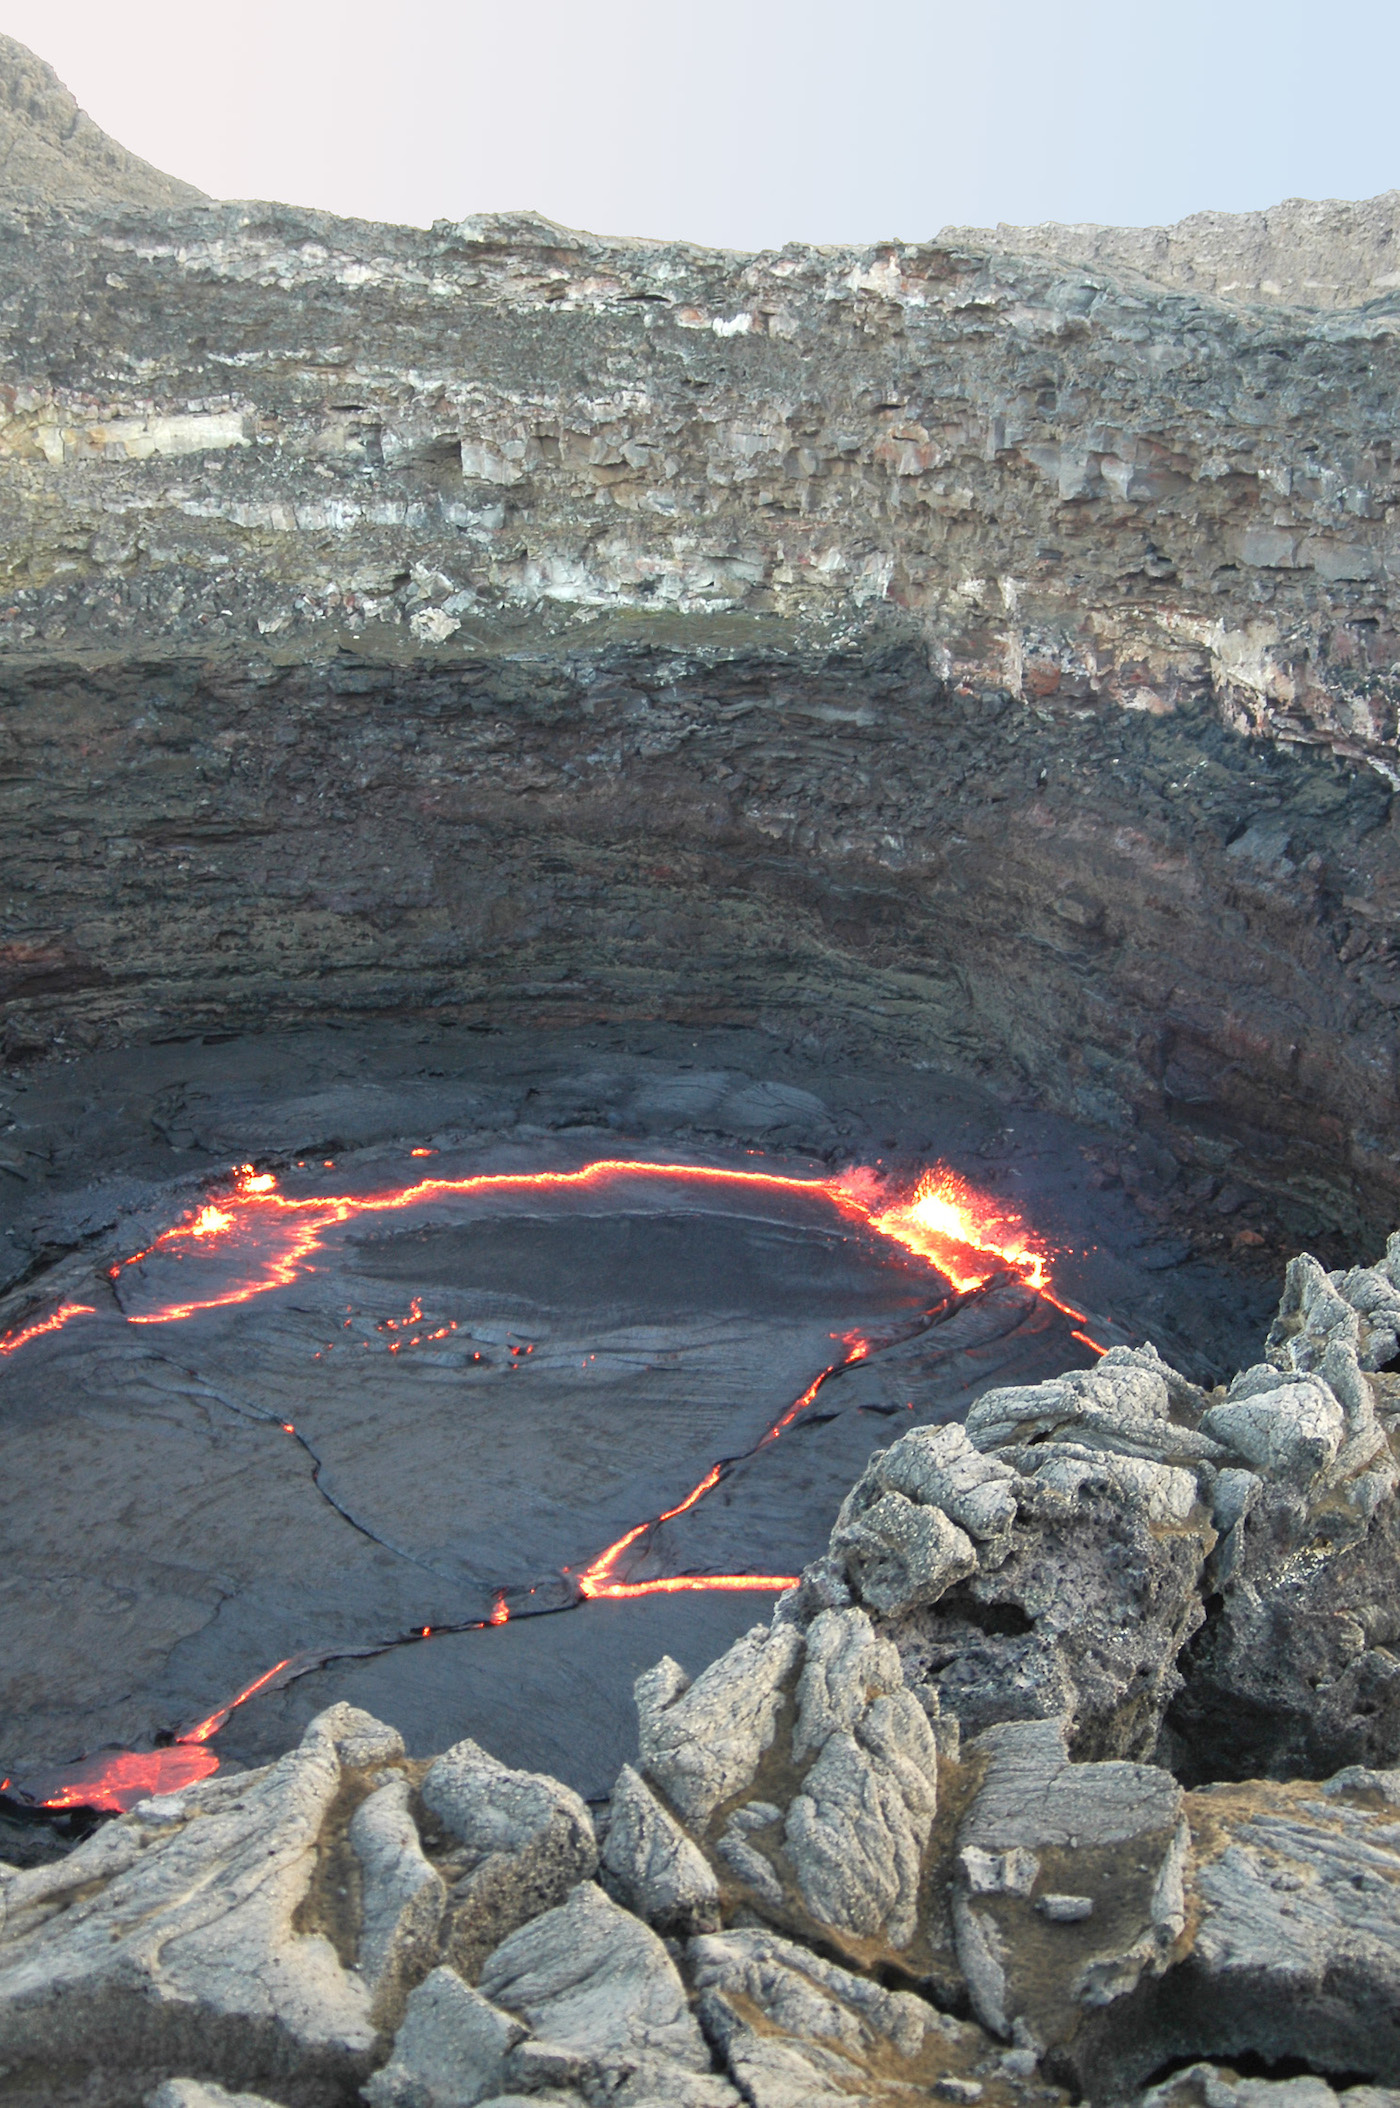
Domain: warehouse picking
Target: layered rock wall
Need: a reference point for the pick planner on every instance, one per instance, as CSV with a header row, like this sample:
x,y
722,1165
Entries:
x,y
992,654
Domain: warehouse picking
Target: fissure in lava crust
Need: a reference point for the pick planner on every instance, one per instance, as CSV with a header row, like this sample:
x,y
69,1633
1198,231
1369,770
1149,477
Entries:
x,y
965,1238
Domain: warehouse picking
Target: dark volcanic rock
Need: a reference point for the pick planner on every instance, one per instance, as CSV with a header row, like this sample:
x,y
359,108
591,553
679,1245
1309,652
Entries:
x,y
963,653
312,1924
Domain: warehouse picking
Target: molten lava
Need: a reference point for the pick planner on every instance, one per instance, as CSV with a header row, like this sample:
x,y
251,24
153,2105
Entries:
x,y
271,1237
117,1781
964,1234
55,1322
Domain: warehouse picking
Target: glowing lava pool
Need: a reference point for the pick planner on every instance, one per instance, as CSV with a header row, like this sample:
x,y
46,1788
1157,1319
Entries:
x,y
328,1417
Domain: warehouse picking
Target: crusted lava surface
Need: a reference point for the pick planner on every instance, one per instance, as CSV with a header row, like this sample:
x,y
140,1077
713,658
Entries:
x,y
379,1451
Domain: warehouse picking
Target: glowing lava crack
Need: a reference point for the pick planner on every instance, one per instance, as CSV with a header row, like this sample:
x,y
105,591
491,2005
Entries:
x,y
272,1236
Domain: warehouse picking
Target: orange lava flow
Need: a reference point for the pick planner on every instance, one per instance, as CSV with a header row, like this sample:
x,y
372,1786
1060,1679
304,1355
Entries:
x,y
964,1234
54,1322
272,1235
118,1780
944,1221
967,1236
204,1730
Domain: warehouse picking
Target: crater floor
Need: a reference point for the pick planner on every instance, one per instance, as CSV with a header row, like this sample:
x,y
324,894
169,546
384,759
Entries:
x,y
444,1414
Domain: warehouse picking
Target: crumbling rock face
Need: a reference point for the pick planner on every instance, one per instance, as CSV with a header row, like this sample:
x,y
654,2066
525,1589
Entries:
x,y
1323,253
1048,1846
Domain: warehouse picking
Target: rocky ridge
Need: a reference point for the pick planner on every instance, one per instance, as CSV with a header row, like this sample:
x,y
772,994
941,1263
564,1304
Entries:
x,y
972,1818
52,154
1323,253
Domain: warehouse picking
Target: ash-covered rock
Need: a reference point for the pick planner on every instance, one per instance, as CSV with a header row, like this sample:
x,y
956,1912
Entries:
x,y
1048,1845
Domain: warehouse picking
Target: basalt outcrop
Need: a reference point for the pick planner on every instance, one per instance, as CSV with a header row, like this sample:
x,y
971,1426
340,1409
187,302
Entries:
x,y
981,649
841,1869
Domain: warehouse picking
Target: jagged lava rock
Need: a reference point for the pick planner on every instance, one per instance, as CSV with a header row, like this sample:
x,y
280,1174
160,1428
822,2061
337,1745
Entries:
x,y
169,1940
523,1841
795,2028
653,1866
606,2007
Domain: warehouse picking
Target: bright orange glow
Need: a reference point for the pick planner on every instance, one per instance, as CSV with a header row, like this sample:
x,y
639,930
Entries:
x,y
271,1237
127,1776
117,1782
204,1729
678,1584
54,1322
967,1236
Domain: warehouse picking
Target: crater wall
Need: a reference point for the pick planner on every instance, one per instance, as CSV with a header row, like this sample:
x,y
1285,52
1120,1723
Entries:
x,y
970,650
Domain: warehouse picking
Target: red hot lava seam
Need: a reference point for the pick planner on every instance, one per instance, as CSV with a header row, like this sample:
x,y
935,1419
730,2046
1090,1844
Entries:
x,y
960,1232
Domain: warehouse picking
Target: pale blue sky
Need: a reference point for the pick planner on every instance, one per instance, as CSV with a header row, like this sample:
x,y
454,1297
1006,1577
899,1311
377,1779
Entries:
x,y
744,124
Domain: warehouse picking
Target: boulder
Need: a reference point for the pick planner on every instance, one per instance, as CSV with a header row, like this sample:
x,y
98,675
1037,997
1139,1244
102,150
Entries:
x,y
1296,1671
854,1773
1316,1306
1077,1579
1296,1936
513,1844
606,2008
1132,1402
899,1554
1284,1426
653,1866
702,1742
857,1827
450,2051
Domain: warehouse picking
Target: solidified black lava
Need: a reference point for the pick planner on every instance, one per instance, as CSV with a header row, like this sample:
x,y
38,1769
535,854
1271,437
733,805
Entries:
x,y
486,1395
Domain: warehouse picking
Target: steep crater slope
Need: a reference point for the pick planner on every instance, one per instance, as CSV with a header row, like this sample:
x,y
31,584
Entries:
x,y
1143,922
969,655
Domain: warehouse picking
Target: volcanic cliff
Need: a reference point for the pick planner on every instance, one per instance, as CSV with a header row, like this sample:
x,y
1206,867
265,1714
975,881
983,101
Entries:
x,y
981,649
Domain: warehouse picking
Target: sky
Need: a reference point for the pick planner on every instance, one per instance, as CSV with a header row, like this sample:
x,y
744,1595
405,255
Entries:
x,y
744,125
